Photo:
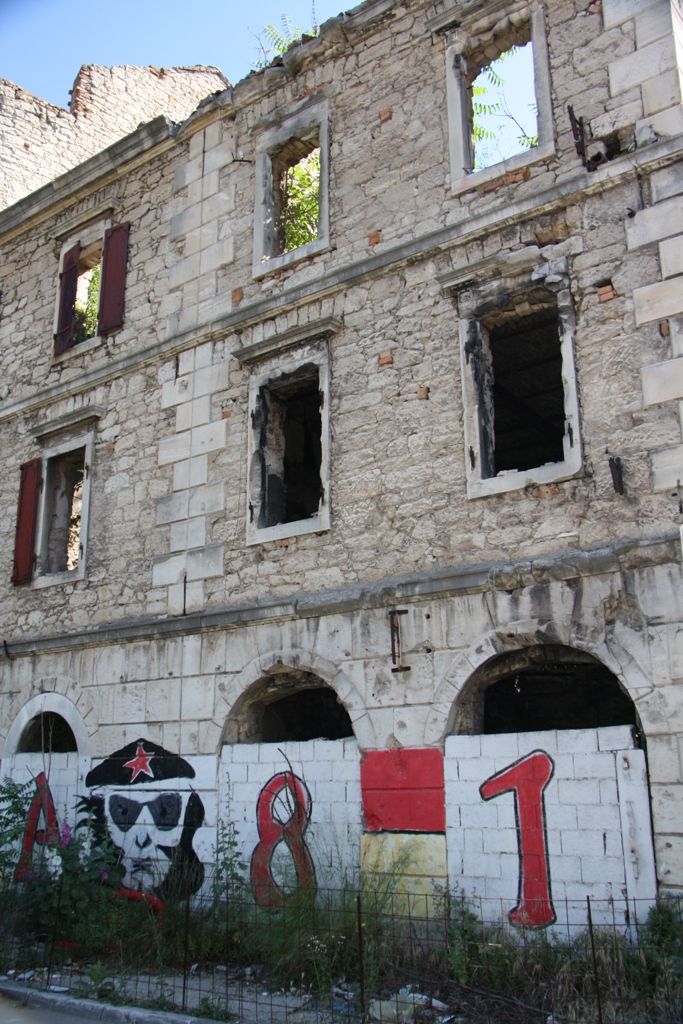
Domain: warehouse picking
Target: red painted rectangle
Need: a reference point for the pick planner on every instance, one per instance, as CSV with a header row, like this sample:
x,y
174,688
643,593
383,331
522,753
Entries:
x,y
412,811
403,790
401,769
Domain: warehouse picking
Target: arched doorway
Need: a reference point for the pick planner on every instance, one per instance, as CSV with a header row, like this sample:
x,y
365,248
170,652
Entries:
x,y
288,705
290,757
547,800
535,689
47,733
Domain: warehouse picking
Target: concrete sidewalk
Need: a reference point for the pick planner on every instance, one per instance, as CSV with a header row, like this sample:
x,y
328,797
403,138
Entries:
x,y
48,1007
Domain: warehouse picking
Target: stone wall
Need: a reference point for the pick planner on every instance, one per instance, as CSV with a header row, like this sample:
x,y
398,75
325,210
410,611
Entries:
x,y
178,616
40,141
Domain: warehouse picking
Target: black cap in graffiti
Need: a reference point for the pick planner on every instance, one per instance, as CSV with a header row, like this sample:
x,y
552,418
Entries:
x,y
139,762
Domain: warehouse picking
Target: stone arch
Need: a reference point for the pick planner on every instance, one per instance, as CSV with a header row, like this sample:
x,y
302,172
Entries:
x,y
57,694
246,683
517,636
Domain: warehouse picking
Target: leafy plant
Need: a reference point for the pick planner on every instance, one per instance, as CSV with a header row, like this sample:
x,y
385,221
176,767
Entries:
x,y
15,799
85,317
279,40
300,186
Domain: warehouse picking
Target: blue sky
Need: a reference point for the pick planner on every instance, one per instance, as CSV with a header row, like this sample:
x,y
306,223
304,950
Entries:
x,y
515,113
44,42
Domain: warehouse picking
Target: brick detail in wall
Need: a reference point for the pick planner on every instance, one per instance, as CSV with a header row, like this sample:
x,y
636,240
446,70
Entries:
x,y
403,790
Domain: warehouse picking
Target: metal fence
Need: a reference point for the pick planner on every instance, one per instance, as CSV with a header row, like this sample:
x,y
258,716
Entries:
x,y
349,955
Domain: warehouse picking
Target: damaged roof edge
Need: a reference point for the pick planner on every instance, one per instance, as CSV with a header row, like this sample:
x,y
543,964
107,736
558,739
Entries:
x,y
140,143
345,26
152,134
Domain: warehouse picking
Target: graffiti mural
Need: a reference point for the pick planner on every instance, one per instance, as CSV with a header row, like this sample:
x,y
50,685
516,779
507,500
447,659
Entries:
x,y
527,779
142,797
283,813
41,804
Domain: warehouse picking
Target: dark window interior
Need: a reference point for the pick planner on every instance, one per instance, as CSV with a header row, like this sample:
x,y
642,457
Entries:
x,y
47,732
306,715
528,395
291,450
558,695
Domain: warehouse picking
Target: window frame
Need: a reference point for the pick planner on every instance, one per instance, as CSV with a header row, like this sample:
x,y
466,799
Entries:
x,y
553,275
86,236
316,353
272,140
56,448
463,176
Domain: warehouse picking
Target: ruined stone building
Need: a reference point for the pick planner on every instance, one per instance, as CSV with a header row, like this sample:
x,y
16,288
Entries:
x,y
380,509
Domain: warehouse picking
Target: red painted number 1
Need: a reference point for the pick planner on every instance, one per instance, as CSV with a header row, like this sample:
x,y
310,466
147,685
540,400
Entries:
x,y
527,779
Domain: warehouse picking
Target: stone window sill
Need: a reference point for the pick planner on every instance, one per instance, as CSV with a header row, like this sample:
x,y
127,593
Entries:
x,y
303,252
535,155
54,579
77,350
316,524
514,480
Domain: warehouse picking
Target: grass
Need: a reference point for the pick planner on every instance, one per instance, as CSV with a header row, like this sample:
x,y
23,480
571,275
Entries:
x,y
312,943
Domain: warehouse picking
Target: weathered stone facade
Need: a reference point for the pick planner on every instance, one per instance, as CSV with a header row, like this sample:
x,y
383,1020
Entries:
x,y
40,141
183,611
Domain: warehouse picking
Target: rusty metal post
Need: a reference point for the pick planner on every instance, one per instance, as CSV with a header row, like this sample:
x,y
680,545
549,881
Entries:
x,y
187,938
361,965
595,959
227,941
54,930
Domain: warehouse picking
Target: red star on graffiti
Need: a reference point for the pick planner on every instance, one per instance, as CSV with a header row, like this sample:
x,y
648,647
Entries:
x,y
140,763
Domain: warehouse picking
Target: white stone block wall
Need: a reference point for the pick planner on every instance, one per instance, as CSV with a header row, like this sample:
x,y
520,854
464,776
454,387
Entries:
x,y
652,72
599,839
201,229
330,770
659,227
178,578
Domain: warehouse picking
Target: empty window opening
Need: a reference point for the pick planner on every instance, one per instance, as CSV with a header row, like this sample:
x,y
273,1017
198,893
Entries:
x,y
288,705
308,715
87,294
296,193
64,479
542,688
47,733
287,420
502,103
528,395
516,357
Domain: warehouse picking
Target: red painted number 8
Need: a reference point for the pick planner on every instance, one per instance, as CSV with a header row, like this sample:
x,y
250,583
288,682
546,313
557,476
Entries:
x,y
527,779
271,831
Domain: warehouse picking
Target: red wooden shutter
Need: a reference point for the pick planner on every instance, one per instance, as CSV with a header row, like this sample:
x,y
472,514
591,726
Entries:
x,y
68,283
113,281
27,513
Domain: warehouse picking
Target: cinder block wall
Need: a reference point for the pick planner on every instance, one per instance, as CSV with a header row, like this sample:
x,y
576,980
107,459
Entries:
x,y
594,812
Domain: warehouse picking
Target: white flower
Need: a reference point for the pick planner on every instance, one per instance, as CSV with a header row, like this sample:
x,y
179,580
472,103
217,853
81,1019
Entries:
x,y
85,850
53,863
